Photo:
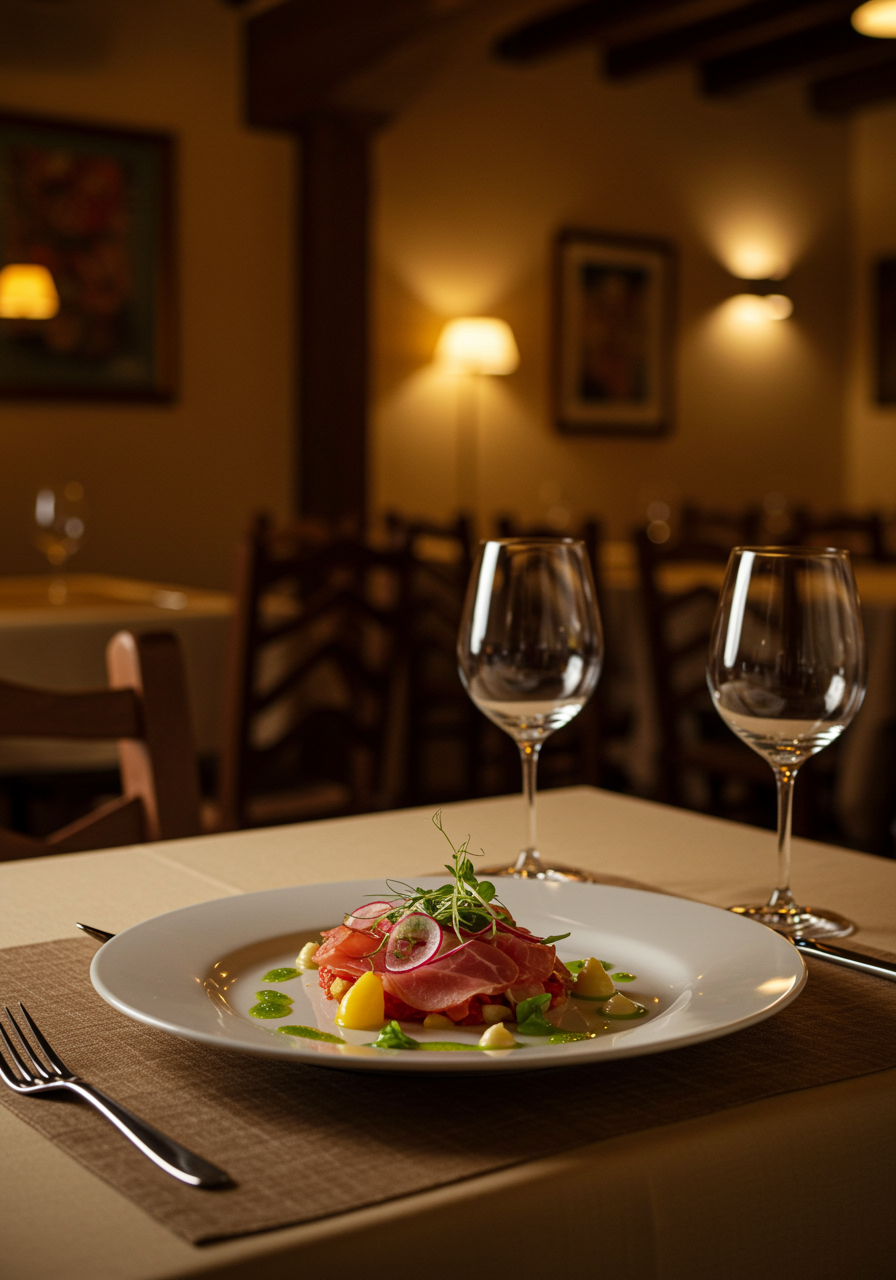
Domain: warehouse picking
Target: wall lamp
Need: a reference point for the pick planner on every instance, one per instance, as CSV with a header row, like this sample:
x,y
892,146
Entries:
x,y
27,292
761,300
876,18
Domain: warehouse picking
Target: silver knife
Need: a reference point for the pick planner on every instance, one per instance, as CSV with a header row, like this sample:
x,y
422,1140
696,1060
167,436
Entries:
x,y
851,959
100,934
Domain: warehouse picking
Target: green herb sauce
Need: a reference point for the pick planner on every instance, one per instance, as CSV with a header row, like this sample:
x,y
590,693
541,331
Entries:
x,y
624,977
281,975
271,1004
309,1033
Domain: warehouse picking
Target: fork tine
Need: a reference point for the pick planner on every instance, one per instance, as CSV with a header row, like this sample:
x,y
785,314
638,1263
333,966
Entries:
x,y
9,1076
23,1040
26,1074
52,1056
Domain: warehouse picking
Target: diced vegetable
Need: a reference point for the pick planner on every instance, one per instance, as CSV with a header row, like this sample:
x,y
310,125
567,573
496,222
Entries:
x,y
363,1007
437,1022
593,982
621,1007
496,1013
305,958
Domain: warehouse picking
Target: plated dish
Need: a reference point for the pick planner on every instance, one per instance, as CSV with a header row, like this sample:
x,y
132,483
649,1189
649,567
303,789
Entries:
x,y
701,973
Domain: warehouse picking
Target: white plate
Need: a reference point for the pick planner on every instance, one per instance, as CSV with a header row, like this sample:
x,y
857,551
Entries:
x,y
702,972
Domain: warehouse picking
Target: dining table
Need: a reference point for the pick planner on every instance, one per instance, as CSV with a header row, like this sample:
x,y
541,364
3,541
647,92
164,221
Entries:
x,y
804,1175
53,635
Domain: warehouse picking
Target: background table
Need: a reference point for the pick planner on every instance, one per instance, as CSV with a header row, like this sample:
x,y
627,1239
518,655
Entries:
x,y
721,1195
54,632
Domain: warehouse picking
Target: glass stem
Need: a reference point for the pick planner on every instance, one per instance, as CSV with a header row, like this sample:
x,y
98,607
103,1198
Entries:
x,y
529,859
782,898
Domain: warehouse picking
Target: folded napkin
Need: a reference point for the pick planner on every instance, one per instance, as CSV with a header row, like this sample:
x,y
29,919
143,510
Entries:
x,y
304,1142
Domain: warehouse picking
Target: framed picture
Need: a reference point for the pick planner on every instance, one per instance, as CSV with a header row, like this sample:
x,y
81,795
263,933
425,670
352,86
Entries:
x,y
612,334
94,207
885,330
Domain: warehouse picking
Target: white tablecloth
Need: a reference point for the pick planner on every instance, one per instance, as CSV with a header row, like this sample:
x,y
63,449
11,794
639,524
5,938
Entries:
x,y
807,1179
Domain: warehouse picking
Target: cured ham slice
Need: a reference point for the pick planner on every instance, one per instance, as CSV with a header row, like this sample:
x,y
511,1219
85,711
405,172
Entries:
x,y
480,968
534,960
504,968
349,952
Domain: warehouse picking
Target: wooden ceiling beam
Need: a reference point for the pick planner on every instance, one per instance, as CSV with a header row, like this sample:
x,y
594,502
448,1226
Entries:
x,y
582,24
726,32
864,87
298,54
735,71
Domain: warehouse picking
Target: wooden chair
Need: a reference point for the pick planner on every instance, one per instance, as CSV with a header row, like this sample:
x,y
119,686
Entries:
x,y
440,730
700,762
146,710
316,678
862,535
726,528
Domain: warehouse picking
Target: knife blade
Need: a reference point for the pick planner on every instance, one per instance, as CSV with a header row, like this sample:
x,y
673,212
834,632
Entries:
x,y
851,959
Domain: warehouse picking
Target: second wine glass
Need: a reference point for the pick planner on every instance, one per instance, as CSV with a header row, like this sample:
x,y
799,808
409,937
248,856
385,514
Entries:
x,y
787,674
530,651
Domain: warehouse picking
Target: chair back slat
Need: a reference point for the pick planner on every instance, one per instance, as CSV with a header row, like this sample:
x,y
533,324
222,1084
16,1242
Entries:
x,y
147,712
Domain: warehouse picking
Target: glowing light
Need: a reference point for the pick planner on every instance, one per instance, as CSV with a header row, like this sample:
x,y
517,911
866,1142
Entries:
x,y
750,310
877,18
27,292
478,344
756,259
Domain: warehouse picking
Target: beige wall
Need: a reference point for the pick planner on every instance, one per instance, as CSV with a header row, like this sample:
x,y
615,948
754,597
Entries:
x,y
169,487
474,179
871,430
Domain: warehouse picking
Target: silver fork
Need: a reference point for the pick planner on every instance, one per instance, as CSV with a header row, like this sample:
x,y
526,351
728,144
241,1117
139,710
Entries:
x,y
49,1073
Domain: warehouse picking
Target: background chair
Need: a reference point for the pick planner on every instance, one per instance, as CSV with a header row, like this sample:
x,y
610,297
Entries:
x,y
862,535
317,678
700,763
440,730
146,709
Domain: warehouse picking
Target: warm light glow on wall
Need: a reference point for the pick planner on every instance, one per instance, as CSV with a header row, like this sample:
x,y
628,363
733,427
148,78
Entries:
x,y
478,344
876,18
755,260
750,311
27,292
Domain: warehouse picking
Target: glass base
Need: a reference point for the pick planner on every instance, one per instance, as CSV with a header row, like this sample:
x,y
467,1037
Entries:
x,y
528,867
800,922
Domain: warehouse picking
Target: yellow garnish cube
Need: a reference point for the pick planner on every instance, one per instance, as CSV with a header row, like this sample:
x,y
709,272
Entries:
x,y
497,1037
363,1007
593,982
338,988
305,958
496,1013
620,1006
437,1022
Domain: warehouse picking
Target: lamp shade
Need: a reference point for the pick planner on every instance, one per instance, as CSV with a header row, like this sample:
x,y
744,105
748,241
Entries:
x,y
876,18
478,344
27,292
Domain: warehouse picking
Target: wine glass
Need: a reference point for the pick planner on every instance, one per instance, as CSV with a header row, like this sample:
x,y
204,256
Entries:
x,y
787,674
529,652
59,513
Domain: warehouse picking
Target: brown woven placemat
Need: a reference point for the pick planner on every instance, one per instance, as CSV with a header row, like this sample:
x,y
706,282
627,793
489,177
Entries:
x,y
304,1142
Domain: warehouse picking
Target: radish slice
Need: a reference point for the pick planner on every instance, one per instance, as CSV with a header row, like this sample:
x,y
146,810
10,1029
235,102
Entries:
x,y
414,940
363,917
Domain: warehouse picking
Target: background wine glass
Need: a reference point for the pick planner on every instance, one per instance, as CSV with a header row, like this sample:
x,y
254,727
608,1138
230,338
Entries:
x,y
787,674
530,650
59,513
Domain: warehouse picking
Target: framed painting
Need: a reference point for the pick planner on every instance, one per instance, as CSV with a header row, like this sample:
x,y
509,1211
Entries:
x,y
613,325
94,207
